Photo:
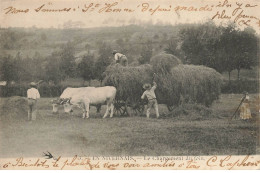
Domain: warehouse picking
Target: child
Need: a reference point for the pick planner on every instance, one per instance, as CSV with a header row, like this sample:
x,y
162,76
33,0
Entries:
x,y
245,112
152,102
32,96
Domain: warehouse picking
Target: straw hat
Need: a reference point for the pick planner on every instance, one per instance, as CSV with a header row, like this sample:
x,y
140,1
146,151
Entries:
x,y
147,86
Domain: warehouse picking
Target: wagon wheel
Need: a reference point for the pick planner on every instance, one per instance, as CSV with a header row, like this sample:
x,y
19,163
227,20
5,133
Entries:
x,y
138,108
120,108
170,107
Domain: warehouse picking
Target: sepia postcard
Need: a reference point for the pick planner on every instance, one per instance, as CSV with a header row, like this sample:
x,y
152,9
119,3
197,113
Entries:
x,y
129,85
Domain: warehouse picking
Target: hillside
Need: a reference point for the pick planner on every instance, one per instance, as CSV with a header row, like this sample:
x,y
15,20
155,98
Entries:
x,y
28,41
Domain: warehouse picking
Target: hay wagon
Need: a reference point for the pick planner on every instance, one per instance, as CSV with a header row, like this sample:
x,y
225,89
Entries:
x,y
177,84
129,81
136,104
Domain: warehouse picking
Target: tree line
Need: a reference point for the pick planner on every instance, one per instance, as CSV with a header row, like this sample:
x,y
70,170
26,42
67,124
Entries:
x,y
224,48
57,67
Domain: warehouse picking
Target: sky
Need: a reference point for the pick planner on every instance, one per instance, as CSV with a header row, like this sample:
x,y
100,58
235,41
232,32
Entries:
x,y
168,12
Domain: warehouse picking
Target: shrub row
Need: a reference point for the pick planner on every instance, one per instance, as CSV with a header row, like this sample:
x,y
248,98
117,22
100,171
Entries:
x,y
46,90
21,90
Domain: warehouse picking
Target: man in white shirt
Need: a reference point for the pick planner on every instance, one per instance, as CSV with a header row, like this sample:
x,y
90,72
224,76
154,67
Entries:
x,y
32,96
120,58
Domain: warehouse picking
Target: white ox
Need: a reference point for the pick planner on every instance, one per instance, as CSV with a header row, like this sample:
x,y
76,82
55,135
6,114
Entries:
x,y
86,96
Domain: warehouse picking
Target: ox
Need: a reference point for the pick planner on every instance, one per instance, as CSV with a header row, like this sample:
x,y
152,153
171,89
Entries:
x,y
86,96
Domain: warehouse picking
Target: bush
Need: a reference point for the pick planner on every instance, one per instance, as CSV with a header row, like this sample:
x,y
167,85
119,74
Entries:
x,y
45,90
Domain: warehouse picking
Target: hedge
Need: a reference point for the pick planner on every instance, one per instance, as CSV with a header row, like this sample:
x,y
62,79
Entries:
x,y
21,90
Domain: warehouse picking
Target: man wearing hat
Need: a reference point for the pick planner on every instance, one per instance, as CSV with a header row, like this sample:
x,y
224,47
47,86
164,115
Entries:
x,y
32,96
150,95
120,58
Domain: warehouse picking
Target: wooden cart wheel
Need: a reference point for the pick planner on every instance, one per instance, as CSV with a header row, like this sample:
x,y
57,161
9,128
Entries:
x,y
170,107
120,108
138,108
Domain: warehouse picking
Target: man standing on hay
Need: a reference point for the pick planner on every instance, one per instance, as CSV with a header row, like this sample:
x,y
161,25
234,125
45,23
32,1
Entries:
x,y
120,58
150,95
32,96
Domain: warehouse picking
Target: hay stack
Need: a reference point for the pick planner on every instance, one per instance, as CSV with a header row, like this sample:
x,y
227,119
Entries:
x,y
163,63
198,84
14,107
167,89
128,80
190,84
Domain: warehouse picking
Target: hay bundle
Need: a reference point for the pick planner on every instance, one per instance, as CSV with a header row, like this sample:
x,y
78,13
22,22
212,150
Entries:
x,y
14,107
191,84
191,112
128,80
163,63
167,89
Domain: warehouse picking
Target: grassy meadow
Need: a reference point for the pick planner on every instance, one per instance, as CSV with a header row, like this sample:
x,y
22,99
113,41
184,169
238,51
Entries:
x,y
172,134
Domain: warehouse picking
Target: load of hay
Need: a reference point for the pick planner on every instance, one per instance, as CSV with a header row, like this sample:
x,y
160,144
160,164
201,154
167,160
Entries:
x,y
177,83
190,84
163,63
166,90
128,80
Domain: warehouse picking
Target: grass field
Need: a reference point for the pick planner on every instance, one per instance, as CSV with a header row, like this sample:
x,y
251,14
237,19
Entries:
x,y
191,134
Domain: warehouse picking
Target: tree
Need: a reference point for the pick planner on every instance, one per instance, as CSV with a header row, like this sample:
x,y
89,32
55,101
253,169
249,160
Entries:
x,y
199,44
7,69
173,47
146,54
67,60
246,51
52,70
103,60
18,68
37,66
239,49
222,48
86,68
225,53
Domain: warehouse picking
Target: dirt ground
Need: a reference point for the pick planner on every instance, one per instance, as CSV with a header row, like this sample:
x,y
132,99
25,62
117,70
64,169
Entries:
x,y
182,134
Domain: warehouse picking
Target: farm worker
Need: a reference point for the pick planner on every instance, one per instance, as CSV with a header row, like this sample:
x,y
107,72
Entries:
x,y
150,95
120,58
245,112
32,95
